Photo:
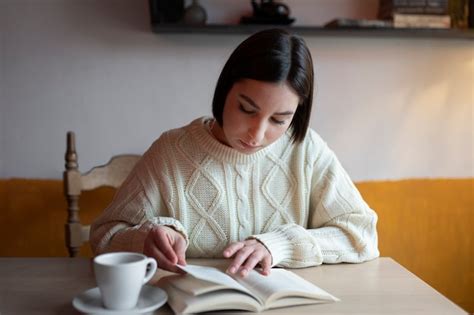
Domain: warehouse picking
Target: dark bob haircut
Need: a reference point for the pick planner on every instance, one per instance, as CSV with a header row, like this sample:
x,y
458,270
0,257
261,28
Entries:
x,y
272,56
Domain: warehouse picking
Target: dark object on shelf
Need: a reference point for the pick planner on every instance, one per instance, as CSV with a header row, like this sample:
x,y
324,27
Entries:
x,y
459,12
268,8
195,14
166,11
354,23
268,12
471,14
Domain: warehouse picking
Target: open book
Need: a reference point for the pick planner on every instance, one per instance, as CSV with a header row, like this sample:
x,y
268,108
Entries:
x,y
205,289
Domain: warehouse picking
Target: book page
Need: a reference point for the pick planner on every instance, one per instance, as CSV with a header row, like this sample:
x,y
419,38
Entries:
x,y
282,283
194,286
280,288
214,275
227,299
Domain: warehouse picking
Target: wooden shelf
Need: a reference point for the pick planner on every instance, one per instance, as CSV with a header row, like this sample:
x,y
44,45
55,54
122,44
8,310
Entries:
x,y
317,31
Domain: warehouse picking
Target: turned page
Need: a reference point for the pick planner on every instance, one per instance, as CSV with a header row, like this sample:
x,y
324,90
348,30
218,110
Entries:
x,y
214,275
282,283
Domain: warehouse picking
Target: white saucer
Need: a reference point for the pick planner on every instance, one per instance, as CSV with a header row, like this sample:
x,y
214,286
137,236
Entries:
x,y
90,302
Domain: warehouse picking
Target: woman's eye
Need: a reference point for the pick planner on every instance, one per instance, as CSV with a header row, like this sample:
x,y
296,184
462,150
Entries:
x,y
278,122
243,109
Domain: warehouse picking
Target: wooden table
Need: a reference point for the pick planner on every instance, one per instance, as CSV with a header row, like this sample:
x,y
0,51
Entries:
x,y
381,286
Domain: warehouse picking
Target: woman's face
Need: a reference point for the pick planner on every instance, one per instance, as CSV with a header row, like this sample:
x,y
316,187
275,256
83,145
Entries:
x,y
256,114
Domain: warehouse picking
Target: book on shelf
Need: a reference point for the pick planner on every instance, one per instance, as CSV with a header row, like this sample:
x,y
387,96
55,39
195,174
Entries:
x,y
421,6
205,289
421,21
357,23
387,8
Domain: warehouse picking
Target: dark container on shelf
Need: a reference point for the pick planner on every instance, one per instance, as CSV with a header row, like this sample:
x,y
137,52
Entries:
x,y
166,11
471,14
195,14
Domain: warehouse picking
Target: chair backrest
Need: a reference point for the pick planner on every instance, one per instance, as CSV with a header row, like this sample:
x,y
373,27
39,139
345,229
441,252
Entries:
x,y
111,174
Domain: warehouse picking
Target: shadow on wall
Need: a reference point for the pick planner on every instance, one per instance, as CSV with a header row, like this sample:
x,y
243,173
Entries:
x,y
106,23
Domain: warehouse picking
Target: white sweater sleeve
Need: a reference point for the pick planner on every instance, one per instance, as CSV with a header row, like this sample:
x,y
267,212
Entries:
x,y
137,206
341,227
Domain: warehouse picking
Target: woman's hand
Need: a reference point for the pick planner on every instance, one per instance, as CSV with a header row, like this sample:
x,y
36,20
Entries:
x,y
248,254
167,246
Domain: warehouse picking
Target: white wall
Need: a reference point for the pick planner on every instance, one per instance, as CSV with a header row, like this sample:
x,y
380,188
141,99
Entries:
x,y
390,108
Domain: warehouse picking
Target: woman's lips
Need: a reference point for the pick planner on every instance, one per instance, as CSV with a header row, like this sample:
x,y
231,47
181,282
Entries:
x,y
245,145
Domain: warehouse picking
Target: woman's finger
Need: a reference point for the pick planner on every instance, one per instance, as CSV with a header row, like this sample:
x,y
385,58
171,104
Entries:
x,y
180,250
266,264
251,262
163,261
239,259
162,243
232,249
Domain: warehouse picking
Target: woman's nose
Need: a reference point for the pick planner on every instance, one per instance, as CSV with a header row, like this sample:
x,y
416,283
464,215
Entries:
x,y
256,133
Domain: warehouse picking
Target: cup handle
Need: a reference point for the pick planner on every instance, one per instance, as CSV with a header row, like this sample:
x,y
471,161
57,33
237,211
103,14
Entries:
x,y
151,269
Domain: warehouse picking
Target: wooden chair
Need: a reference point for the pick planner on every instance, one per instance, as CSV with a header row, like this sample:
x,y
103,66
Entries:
x,y
111,174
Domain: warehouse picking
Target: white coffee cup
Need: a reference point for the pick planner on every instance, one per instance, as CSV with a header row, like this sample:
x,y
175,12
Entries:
x,y
120,277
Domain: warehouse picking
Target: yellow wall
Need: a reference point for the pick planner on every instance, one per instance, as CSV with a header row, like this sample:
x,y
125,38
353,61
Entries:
x,y
426,225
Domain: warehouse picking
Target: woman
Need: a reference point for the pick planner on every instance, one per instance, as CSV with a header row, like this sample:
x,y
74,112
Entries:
x,y
253,183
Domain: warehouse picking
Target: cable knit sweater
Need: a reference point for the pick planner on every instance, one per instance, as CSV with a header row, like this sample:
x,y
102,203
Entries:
x,y
294,198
